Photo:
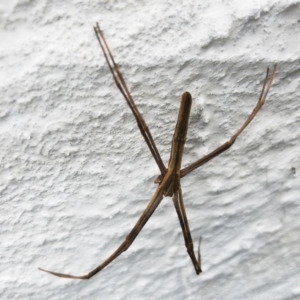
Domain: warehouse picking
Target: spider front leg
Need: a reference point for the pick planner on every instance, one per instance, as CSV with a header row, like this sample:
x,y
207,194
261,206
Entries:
x,y
262,99
180,210
147,213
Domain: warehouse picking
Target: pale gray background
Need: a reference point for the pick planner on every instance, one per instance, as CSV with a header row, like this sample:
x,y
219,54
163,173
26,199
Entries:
x,y
75,173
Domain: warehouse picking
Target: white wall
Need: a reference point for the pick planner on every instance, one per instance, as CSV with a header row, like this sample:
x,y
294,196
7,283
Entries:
x,y
75,173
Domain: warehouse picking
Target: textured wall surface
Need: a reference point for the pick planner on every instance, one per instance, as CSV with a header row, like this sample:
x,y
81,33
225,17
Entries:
x,y
75,173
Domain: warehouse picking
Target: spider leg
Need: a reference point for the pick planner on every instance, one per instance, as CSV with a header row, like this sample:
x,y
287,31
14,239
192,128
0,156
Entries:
x,y
147,213
120,82
264,92
180,210
199,254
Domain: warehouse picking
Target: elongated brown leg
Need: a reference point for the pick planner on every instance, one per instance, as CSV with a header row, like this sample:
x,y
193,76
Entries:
x,y
228,144
199,254
120,82
156,199
180,209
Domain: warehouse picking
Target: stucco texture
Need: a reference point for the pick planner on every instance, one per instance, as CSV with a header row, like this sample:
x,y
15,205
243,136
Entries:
x,y
75,172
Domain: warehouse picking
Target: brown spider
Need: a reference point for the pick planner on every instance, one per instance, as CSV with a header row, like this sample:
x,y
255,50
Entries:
x,y
169,178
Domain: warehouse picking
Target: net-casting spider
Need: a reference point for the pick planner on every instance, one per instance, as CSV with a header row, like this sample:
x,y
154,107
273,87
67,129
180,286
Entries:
x,y
169,178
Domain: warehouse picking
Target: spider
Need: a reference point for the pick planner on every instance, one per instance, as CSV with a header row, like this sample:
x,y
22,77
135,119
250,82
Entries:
x,y
169,179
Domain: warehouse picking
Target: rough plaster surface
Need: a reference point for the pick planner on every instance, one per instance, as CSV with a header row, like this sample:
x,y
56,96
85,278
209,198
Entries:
x,y
76,174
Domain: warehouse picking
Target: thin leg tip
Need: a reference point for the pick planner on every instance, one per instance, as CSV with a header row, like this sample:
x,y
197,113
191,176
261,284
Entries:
x,y
45,271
